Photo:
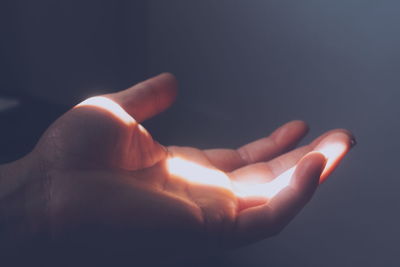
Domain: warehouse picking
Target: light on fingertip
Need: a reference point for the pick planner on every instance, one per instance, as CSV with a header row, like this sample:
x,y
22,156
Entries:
x,y
333,152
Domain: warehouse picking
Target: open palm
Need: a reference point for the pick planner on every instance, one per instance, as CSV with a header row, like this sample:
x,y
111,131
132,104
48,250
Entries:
x,y
115,194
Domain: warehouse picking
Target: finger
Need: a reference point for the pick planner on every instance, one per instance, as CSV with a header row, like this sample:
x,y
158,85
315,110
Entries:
x,y
281,140
262,221
106,131
334,148
147,98
333,144
317,140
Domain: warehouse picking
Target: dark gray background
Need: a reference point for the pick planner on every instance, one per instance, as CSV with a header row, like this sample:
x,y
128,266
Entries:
x,y
244,67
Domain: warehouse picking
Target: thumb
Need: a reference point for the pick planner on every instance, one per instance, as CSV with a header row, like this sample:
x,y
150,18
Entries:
x,y
104,131
148,98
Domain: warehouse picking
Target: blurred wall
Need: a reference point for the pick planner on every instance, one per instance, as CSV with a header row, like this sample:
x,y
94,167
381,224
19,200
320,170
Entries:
x,y
247,66
64,51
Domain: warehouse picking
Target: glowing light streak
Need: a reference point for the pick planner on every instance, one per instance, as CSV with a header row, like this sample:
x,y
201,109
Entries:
x,y
197,173
108,105
267,190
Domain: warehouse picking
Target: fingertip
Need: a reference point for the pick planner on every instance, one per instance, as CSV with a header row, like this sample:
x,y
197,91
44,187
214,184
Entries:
x,y
170,85
334,147
292,132
345,131
166,78
168,75
298,124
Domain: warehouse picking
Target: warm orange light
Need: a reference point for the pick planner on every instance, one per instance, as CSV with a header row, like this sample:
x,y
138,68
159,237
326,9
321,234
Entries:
x,y
197,173
108,105
333,152
265,190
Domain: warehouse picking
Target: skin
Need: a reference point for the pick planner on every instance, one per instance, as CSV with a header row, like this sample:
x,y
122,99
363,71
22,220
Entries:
x,y
96,189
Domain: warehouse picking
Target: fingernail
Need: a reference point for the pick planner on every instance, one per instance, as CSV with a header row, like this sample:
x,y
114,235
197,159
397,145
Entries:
x,y
353,142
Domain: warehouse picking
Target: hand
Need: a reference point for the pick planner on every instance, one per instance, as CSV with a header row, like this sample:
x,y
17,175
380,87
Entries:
x,y
98,188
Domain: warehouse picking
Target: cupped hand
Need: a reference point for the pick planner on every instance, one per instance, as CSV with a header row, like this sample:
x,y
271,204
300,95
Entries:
x,y
105,191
